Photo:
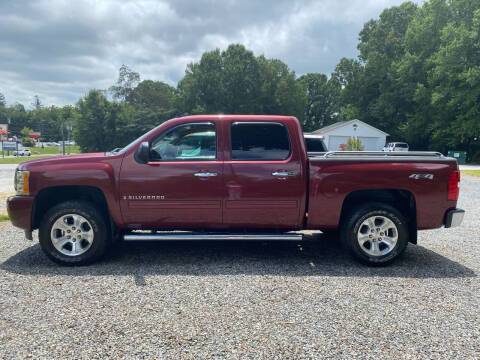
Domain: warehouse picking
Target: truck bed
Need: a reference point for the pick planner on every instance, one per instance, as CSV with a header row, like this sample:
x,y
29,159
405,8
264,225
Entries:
x,y
336,176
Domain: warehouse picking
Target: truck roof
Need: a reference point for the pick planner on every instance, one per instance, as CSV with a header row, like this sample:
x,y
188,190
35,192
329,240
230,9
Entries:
x,y
236,117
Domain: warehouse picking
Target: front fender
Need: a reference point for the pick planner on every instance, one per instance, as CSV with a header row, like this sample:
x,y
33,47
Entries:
x,y
100,175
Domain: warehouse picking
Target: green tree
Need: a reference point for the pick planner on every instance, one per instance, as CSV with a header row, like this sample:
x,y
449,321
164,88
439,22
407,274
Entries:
x,y
25,136
418,75
18,118
321,100
95,128
126,82
348,81
280,92
455,80
235,81
153,95
46,121
353,144
3,110
203,87
368,87
148,105
422,40
240,80
67,116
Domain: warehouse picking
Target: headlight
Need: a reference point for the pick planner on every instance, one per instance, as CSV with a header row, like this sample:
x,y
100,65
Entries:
x,y
22,182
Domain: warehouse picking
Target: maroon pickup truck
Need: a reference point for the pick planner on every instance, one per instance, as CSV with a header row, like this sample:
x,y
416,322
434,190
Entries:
x,y
232,177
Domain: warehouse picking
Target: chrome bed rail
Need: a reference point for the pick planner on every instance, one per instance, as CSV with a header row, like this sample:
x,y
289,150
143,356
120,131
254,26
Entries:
x,y
382,154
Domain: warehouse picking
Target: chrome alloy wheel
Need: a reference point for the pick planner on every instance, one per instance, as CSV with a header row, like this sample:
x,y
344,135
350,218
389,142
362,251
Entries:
x,y
377,235
72,234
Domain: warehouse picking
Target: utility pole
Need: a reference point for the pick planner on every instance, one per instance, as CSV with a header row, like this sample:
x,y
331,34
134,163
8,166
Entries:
x,y
69,130
63,141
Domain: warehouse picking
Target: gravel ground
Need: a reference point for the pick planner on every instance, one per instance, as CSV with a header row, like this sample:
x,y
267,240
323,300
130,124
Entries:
x,y
246,300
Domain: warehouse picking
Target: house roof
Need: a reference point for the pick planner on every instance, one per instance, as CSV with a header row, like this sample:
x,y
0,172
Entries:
x,y
339,124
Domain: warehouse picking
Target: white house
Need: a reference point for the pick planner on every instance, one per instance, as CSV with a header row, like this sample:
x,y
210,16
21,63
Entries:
x,y
338,133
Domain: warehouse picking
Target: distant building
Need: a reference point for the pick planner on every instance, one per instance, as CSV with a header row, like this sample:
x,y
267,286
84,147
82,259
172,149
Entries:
x,y
338,133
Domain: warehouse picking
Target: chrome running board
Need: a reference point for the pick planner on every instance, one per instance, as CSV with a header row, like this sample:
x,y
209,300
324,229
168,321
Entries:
x,y
193,236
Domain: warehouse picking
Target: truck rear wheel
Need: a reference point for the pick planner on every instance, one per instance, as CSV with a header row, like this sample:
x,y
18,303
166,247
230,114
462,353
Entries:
x,y
375,234
74,233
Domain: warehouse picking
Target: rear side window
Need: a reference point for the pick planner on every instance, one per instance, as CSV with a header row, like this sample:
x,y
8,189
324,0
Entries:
x,y
401,145
259,141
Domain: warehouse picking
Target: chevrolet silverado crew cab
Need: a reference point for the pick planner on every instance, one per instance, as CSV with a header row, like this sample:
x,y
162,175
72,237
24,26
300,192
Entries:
x,y
232,177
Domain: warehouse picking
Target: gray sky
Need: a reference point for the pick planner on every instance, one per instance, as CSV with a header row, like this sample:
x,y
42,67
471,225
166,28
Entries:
x,y
59,49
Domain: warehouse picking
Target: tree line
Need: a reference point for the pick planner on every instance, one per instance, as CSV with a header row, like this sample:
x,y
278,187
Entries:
x,y
417,77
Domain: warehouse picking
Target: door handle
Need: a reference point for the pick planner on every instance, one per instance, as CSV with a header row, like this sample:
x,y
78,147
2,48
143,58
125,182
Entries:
x,y
205,174
283,173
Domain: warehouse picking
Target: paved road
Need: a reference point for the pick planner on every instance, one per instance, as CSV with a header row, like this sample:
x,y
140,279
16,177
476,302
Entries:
x,y
469,167
6,184
7,172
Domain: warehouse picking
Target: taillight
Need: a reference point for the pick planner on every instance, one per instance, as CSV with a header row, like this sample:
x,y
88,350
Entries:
x,y
453,189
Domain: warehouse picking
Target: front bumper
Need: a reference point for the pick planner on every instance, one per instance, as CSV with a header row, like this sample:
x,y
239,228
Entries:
x,y
20,211
454,217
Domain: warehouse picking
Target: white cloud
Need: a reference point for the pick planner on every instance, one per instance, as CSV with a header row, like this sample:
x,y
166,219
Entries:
x,y
59,49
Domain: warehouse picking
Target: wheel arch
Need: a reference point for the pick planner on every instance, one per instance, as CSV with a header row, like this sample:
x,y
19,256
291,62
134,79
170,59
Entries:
x,y
400,199
51,196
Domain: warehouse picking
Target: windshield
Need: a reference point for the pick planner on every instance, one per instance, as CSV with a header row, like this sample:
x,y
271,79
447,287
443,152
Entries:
x,y
129,146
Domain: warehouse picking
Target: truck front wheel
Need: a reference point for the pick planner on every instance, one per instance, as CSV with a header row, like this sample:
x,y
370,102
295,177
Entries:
x,y
375,234
74,233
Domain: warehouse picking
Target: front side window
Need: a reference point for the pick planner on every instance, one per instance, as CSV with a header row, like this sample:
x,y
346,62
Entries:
x,y
189,142
259,141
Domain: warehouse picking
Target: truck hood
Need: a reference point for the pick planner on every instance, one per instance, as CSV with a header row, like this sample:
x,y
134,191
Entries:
x,y
65,159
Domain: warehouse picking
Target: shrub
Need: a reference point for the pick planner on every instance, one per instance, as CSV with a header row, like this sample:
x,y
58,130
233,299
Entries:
x,y
353,144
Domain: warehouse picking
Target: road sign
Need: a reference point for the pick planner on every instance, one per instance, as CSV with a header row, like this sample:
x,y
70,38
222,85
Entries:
x,y
35,135
9,145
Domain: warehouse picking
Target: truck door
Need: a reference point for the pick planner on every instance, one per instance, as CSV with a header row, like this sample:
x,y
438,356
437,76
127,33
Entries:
x,y
181,186
264,176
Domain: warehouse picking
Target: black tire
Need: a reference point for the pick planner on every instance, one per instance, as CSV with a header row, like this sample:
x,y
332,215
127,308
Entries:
x,y
101,235
351,225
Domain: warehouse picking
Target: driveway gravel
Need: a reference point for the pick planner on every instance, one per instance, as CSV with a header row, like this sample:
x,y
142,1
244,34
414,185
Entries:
x,y
219,300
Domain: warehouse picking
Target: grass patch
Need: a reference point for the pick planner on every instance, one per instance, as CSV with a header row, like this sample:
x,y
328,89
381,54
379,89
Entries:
x,y
471,172
4,218
19,159
74,149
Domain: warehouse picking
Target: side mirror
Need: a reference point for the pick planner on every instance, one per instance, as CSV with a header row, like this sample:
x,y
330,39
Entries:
x,y
142,154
